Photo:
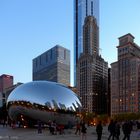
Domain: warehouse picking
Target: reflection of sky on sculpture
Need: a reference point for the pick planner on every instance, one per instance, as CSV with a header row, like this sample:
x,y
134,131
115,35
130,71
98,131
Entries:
x,y
43,92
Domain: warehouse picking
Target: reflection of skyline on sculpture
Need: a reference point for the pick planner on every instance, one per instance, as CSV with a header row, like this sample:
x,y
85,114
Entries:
x,y
43,100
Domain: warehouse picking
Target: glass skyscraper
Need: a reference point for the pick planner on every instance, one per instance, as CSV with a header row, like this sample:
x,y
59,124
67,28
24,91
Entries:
x,y
82,8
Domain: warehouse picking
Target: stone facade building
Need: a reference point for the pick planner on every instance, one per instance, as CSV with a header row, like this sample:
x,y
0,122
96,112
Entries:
x,y
6,81
125,77
92,71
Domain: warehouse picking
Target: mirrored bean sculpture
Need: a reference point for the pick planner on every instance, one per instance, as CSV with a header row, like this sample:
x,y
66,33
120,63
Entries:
x,y
44,101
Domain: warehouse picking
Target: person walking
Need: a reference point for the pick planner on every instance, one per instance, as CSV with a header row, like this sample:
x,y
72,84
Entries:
x,y
117,130
111,129
127,128
99,130
83,131
78,128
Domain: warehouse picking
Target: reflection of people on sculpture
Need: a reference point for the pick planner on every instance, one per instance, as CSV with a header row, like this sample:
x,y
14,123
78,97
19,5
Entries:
x,y
53,128
39,126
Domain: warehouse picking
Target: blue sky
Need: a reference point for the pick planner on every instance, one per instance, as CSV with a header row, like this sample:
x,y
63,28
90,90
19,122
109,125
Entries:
x,y
30,27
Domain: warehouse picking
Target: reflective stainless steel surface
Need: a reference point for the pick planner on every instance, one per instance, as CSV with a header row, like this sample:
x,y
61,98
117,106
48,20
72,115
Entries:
x,y
45,101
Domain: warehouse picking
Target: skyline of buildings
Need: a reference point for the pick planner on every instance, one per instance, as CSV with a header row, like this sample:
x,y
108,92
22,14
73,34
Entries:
x,y
53,65
82,8
45,33
91,6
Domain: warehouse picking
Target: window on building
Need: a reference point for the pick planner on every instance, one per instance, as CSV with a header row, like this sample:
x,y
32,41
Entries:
x,y
64,54
40,60
46,57
36,62
92,8
51,53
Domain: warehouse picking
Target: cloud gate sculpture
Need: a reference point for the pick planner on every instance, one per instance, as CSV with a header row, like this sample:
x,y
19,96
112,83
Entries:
x,y
44,101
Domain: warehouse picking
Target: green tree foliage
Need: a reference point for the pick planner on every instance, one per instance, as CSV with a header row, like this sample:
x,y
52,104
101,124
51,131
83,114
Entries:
x,y
87,116
104,118
127,116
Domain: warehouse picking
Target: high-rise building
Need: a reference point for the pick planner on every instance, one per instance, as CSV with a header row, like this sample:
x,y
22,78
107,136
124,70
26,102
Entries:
x,y
92,71
6,81
53,65
125,77
82,8
109,93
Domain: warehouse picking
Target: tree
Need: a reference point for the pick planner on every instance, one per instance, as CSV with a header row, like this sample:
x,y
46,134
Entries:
x,y
127,116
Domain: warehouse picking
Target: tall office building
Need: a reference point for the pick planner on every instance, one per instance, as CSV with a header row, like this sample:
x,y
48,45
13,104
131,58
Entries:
x,y
53,65
125,77
92,71
82,8
5,82
109,93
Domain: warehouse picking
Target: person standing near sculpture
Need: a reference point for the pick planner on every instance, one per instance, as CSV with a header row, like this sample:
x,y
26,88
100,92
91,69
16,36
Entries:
x,y
99,130
83,130
117,130
78,128
127,128
111,129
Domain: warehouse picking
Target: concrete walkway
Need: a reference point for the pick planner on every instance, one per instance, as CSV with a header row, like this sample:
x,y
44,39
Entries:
x,y
8,133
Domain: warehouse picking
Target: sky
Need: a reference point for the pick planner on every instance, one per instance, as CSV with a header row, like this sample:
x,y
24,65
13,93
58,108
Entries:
x,y
30,27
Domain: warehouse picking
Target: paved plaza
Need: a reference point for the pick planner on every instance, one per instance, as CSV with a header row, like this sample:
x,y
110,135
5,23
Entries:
x,y
8,133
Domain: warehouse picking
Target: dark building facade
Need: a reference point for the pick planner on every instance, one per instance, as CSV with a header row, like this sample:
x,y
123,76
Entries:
x,y
109,93
6,81
53,65
125,77
92,71
82,8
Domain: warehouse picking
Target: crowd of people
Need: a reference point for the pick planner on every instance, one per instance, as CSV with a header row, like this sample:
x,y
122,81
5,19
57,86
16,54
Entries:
x,y
114,128
55,128
10,123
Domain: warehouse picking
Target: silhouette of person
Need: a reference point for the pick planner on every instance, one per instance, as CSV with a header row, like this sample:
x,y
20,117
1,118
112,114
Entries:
x,y
111,129
127,128
83,131
99,130
78,128
117,130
